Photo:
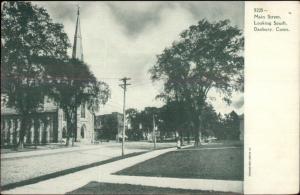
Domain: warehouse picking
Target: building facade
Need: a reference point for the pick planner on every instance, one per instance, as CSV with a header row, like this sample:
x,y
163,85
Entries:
x,y
109,126
43,126
48,125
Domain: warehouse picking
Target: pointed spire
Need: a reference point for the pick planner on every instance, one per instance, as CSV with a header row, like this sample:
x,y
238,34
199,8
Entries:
x,y
77,45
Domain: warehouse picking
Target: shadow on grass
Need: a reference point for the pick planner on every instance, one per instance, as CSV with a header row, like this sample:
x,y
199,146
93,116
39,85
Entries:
x,y
220,164
64,172
111,188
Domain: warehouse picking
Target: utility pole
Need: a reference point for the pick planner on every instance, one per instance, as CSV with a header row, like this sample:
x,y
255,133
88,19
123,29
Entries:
x,y
124,86
154,134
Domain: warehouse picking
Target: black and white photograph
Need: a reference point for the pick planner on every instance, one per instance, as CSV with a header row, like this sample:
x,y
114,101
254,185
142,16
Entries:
x,y
111,97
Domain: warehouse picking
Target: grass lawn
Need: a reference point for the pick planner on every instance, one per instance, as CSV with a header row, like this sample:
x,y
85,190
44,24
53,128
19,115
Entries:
x,y
110,188
223,164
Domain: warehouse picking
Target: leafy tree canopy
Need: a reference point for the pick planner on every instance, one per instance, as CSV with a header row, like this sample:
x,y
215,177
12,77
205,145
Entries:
x,y
133,116
72,83
27,33
207,55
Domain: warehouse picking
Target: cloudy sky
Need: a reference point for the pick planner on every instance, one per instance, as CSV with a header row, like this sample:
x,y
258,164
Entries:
x,y
123,38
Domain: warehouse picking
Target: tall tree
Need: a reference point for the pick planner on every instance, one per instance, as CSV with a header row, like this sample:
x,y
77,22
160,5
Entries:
x,y
146,118
219,130
134,119
210,120
174,118
231,126
110,126
71,85
27,34
207,56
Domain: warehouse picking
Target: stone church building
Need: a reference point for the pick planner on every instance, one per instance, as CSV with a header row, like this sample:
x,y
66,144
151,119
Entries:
x,y
48,125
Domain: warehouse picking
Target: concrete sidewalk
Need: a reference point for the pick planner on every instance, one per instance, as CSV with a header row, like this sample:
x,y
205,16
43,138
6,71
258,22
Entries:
x,y
103,173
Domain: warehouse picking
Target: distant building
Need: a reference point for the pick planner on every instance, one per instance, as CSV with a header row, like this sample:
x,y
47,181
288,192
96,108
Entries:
x,y
109,126
49,124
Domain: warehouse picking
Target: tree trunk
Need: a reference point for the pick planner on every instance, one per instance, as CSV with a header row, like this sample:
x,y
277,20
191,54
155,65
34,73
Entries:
x,y
188,136
196,138
200,125
74,132
198,129
35,129
181,137
200,136
69,128
73,136
75,127
23,128
67,141
195,129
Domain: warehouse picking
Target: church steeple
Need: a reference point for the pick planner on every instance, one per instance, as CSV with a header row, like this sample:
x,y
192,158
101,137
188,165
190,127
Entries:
x,y
77,45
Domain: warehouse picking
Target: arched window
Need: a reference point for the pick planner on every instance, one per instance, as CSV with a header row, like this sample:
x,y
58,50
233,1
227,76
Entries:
x,y
82,110
82,131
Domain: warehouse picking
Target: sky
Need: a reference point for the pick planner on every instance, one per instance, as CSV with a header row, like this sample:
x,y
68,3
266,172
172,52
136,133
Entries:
x,y
123,38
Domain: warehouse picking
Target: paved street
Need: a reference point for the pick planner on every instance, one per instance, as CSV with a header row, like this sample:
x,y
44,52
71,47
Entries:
x,y
104,173
21,166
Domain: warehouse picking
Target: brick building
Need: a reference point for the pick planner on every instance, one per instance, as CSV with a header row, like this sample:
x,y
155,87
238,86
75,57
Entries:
x,y
109,126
